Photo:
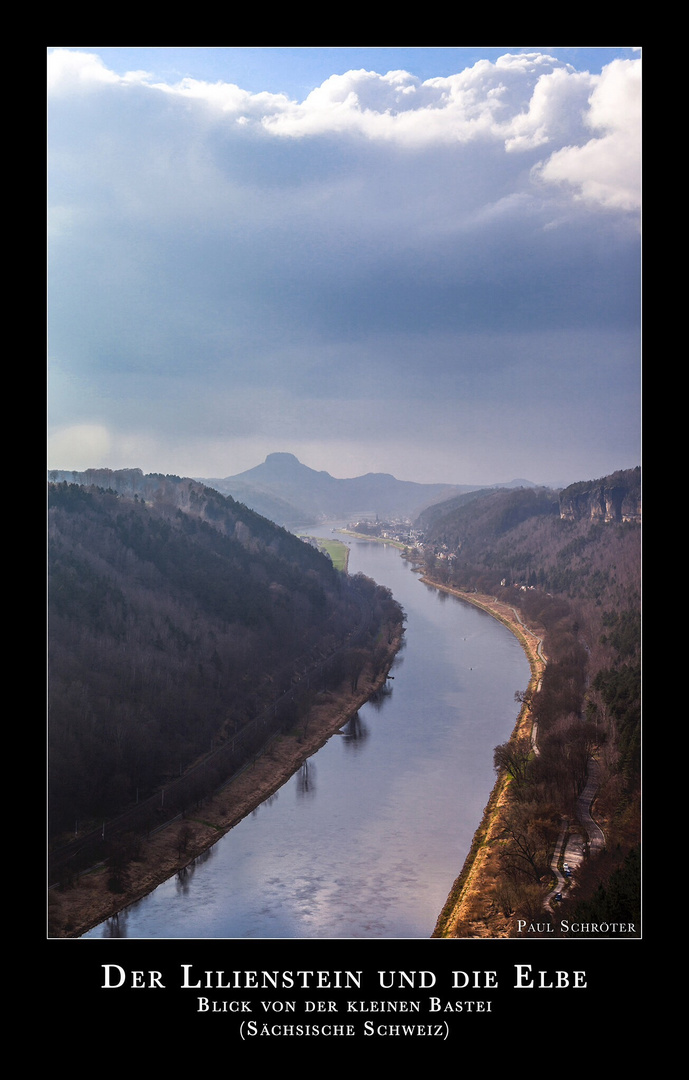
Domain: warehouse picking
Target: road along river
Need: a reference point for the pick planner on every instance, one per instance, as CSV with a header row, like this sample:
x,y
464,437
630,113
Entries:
x,y
365,841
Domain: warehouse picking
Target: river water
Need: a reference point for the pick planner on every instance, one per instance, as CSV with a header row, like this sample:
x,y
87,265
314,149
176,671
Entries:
x,y
366,840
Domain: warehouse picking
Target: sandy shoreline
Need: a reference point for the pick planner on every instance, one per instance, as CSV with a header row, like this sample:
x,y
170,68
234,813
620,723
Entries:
x,y
469,910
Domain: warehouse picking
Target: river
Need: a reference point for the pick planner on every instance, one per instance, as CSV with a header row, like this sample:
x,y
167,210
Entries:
x,y
367,838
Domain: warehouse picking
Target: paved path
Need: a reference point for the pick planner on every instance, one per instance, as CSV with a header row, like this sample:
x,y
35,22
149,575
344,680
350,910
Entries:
x,y
576,847
584,803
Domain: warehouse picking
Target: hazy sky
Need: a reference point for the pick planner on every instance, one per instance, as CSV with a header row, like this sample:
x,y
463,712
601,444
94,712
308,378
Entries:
x,y
407,260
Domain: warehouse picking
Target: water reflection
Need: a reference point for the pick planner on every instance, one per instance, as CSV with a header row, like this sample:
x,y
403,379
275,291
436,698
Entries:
x,y
306,780
377,700
205,856
269,801
117,926
184,878
355,733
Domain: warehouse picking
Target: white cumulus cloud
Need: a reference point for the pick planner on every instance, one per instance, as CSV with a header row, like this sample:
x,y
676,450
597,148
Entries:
x,y
71,72
607,168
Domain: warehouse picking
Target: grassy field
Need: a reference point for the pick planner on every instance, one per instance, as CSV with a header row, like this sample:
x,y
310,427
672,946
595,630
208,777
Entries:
x,y
338,552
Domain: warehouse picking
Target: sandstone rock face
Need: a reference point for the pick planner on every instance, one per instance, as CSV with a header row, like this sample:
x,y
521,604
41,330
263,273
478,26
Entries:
x,y
614,498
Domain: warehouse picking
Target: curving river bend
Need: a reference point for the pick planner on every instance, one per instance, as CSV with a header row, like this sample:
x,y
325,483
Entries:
x,y
367,839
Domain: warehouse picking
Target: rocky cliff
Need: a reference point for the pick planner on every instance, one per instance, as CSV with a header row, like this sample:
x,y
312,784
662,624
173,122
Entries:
x,y
612,498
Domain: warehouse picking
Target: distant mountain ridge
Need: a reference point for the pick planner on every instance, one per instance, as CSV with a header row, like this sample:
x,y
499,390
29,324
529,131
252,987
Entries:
x,y
290,493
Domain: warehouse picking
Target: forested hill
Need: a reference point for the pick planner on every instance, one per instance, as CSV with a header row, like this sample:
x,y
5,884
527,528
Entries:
x,y
570,563
485,514
167,494
576,542
175,616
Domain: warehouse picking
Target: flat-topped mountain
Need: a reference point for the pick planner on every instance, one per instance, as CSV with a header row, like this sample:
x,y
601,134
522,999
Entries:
x,y
291,493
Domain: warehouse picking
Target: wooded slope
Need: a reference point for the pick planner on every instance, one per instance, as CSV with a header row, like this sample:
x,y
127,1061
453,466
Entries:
x,y
175,616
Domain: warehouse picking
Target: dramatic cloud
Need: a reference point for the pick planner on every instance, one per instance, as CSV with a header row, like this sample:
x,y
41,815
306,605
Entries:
x,y
436,278
607,169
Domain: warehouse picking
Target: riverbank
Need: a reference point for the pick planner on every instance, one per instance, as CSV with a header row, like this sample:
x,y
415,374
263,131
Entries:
x,y
90,901
471,909
376,539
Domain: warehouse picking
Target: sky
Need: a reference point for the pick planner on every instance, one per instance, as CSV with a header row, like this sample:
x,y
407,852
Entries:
x,y
420,261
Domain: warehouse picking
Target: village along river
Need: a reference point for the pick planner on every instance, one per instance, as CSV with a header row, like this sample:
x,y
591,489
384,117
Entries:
x,y
367,838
